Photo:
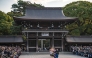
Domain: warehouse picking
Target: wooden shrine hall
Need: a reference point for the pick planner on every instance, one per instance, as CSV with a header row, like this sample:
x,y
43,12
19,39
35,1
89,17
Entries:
x,y
47,23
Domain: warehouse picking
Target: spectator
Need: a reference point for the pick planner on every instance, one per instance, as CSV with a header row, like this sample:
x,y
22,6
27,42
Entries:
x,y
52,50
56,53
10,52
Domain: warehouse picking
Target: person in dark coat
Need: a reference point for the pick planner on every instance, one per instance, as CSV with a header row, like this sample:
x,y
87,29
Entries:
x,y
56,53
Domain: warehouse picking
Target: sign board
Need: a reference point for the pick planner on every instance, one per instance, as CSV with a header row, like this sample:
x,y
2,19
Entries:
x,y
45,34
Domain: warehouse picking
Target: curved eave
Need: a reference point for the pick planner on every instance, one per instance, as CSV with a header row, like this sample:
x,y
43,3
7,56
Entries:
x,y
47,19
79,39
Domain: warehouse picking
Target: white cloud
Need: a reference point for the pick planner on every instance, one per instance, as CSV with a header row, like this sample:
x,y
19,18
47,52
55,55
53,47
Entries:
x,y
41,1
46,1
15,0
53,2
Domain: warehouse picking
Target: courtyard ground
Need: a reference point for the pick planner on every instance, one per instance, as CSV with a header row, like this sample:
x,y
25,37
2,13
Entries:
x,y
46,55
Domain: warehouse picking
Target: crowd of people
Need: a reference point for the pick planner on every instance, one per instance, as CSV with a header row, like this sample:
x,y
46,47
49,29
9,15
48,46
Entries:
x,y
85,51
54,53
10,51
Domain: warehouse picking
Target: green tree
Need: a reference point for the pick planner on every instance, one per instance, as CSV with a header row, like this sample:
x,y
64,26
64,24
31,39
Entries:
x,y
12,14
21,5
5,23
19,10
16,30
82,10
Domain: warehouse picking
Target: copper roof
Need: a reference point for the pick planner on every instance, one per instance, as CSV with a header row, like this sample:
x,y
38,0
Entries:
x,y
79,39
45,13
10,39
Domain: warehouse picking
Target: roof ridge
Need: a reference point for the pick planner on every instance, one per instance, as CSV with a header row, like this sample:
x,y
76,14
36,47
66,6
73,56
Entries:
x,y
36,8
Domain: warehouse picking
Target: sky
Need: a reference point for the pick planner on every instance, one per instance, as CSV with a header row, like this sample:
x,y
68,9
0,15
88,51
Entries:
x,y
5,5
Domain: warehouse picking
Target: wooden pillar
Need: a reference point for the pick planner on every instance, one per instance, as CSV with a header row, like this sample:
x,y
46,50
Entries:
x,y
41,44
37,43
50,43
62,43
27,43
53,40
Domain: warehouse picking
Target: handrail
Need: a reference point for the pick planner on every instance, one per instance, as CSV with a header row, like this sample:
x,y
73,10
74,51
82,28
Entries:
x,y
44,30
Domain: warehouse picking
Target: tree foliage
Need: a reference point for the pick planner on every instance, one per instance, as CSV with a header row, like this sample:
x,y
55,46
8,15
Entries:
x,y
5,23
16,30
12,14
19,8
82,10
